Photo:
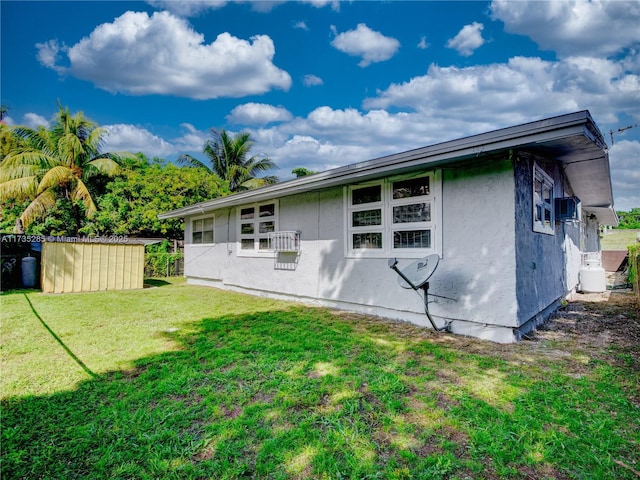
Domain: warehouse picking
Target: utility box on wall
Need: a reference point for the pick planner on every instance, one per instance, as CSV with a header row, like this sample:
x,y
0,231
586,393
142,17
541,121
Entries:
x,y
89,267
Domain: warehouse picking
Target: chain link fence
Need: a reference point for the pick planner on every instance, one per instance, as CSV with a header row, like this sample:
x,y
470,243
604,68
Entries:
x,y
163,264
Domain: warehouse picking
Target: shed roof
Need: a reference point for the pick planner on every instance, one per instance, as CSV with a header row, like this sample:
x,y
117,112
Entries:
x,y
573,140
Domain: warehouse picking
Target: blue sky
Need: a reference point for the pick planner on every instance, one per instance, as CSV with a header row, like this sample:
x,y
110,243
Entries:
x,y
320,84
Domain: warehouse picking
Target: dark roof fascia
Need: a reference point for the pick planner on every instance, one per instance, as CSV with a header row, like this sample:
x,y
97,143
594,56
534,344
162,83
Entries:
x,y
433,156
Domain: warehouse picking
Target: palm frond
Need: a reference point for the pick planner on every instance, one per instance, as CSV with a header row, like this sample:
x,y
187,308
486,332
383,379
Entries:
x,y
28,157
187,160
95,140
70,149
258,164
35,138
19,188
43,203
18,171
55,177
104,165
81,192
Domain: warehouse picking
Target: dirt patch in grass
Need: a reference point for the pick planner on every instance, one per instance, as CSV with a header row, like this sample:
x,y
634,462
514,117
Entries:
x,y
602,325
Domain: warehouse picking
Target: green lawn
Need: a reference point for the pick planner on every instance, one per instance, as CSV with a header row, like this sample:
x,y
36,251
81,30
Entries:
x,y
618,239
187,382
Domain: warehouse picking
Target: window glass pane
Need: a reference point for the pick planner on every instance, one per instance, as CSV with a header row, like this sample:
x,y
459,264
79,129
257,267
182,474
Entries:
x,y
266,227
411,188
246,229
246,213
246,244
367,217
207,236
538,187
197,237
412,239
417,212
366,195
265,244
197,225
267,210
208,224
538,213
367,240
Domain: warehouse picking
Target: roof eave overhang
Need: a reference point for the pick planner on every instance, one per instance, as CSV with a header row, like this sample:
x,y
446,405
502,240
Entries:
x,y
543,134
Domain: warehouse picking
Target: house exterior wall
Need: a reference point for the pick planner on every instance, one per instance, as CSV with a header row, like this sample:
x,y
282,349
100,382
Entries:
x,y
548,264
476,273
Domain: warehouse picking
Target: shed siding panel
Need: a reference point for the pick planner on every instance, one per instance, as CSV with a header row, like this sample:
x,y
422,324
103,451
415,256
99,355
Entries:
x,y
85,267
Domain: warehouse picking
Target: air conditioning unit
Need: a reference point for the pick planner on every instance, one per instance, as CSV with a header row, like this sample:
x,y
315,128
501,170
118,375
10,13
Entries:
x,y
567,209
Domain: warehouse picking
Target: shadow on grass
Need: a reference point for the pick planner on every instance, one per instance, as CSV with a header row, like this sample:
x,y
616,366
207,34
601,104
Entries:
x,y
155,282
73,356
301,393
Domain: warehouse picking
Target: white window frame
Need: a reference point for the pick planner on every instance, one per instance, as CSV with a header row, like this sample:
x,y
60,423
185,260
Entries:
x,y
540,208
202,219
387,227
256,236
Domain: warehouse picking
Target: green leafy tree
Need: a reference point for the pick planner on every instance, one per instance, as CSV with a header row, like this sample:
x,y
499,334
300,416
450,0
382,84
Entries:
x,y
228,157
48,165
302,172
629,219
136,196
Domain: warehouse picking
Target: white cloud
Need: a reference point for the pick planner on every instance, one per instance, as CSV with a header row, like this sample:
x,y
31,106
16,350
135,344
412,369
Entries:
x,y
520,90
130,138
33,120
258,114
328,138
624,158
191,8
363,42
573,27
191,141
335,4
423,43
162,54
311,80
468,40
187,8
49,53
301,25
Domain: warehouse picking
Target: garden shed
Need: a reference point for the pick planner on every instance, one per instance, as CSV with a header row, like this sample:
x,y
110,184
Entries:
x,y
91,264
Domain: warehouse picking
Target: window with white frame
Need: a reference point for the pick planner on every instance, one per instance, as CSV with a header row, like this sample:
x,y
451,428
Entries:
x,y
392,216
543,201
256,222
202,230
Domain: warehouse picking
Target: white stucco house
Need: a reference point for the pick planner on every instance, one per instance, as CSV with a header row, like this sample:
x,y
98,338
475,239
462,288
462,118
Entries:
x,y
508,212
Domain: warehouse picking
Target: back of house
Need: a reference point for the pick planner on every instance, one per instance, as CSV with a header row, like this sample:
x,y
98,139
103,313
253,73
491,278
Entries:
x,y
508,213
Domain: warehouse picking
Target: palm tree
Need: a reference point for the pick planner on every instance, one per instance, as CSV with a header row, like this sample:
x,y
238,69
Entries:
x,y
228,158
48,164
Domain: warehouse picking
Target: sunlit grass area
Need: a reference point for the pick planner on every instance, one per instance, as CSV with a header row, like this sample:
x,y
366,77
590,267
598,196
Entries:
x,y
189,382
618,239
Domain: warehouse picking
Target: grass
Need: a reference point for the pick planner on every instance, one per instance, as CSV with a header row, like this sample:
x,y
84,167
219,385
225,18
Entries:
x,y
618,239
187,382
